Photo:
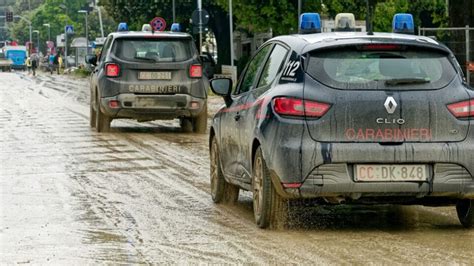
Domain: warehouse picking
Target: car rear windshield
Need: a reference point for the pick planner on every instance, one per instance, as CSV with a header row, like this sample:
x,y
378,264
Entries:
x,y
407,68
153,49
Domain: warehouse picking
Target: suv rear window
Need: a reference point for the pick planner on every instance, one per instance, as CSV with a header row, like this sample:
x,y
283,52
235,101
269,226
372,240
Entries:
x,y
153,49
404,69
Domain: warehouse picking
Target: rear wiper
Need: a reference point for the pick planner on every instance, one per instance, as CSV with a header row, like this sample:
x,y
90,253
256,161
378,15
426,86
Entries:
x,y
393,82
145,58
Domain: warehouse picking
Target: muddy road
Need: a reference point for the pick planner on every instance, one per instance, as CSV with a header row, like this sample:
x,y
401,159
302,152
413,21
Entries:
x,y
141,195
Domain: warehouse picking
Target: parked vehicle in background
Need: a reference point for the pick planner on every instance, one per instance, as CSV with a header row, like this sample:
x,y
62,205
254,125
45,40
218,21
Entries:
x,y
5,63
17,54
148,76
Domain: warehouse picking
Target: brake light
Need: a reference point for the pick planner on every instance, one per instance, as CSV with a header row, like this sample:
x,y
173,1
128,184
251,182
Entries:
x,y
462,109
381,46
195,71
299,107
112,70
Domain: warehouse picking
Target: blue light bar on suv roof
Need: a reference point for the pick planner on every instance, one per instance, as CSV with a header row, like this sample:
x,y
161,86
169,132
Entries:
x,y
403,23
310,23
122,26
175,27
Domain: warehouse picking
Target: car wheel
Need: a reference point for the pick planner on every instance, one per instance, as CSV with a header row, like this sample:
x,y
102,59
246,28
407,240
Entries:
x,y
92,116
186,125
200,122
102,121
221,190
270,209
465,210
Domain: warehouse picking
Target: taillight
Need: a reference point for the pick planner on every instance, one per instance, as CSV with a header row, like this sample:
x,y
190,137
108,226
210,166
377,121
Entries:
x,y
380,47
298,107
463,109
195,71
112,70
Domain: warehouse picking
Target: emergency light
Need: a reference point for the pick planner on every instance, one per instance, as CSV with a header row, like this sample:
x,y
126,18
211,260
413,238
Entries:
x,y
175,27
403,23
122,26
146,27
345,22
310,23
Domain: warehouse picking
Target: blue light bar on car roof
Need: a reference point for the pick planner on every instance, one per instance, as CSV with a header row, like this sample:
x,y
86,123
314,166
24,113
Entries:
x,y
403,23
310,23
122,26
175,27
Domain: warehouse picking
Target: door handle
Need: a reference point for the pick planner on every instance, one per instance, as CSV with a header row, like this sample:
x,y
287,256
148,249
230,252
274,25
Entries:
x,y
237,117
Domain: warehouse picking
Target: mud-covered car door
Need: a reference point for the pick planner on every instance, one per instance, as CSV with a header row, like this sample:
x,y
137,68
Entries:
x,y
234,117
96,72
273,65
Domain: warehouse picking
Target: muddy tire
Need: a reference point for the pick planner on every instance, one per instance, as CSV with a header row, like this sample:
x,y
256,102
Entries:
x,y
221,190
186,125
92,116
102,121
465,210
270,209
200,122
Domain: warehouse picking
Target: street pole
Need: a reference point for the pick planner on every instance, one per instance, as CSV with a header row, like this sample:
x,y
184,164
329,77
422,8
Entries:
x,y
299,14
100,18
87,33
65,47
200,25
174,11
231,28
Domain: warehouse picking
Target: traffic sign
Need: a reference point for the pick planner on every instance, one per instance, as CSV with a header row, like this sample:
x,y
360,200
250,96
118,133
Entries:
x,y
158,24
200,13
69,29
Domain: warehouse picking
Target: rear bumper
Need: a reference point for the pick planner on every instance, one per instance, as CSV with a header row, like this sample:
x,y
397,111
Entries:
x,y
327,169
153,107
337,181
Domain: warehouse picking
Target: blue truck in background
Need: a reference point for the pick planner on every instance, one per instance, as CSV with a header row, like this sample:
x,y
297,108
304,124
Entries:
x,y
17,54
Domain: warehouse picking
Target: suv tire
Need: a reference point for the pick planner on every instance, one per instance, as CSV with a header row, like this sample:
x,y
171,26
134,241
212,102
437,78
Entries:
x,y
270,209
102,121
221,190
465,210
186,125
200,122
92,115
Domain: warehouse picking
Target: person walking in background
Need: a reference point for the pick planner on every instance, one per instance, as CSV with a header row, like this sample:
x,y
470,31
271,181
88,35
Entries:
x,y
28,64
34,64
51,63
60,62
56,62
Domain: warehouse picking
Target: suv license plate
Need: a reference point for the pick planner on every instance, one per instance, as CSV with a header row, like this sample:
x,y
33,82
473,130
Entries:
x,y
390,172
154,75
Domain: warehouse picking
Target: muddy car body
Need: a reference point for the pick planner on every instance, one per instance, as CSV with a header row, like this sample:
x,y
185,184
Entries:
x,y
148,76
307,132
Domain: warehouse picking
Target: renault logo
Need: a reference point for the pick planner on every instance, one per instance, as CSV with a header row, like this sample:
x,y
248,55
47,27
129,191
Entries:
x,y
390,104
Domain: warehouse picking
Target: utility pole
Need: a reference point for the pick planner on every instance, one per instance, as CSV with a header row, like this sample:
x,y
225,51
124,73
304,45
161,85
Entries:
x,y
231,28
174,11
200,25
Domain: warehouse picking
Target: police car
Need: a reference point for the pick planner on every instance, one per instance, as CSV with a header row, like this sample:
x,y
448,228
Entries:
x,y
346,117
148,76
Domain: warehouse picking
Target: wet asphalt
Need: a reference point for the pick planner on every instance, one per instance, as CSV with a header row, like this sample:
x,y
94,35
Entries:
x,y
140,195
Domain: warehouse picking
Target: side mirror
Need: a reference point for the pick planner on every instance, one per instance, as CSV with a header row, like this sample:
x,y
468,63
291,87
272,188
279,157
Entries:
x,y
222,87
91,59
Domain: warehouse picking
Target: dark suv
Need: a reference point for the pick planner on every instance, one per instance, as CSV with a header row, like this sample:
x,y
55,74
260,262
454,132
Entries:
x,y
148,76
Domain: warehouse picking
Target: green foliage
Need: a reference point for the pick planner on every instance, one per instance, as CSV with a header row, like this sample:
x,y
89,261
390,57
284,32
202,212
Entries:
x,y
57,13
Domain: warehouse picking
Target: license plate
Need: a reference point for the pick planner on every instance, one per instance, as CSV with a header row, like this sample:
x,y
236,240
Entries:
x,y
146,103
390,172
154,75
